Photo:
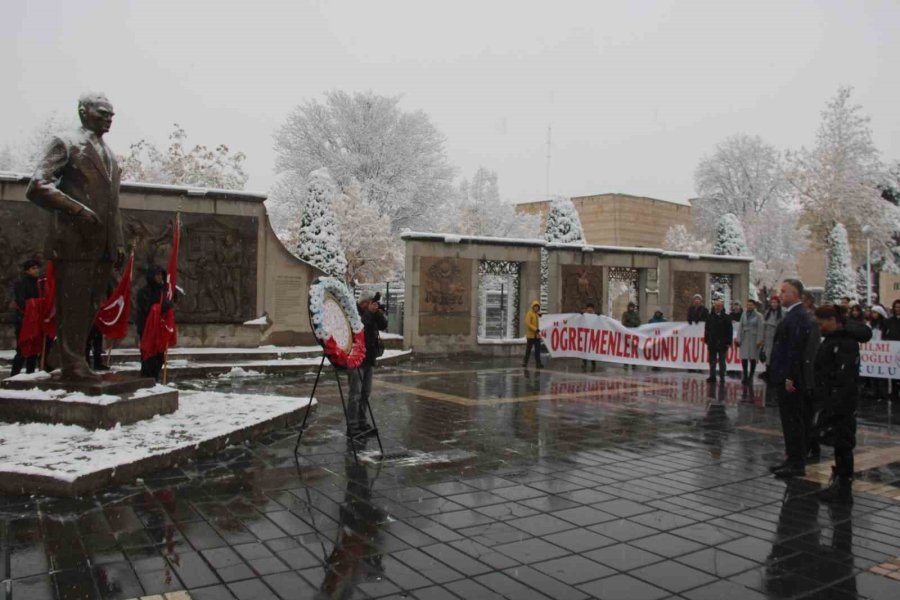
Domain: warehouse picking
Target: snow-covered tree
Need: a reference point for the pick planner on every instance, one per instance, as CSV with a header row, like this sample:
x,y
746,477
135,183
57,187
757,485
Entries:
x,y
392,159
318,236
23,155
477,209
838,179
681,239
730,241
198,166
840,278
746,176
373,253
563,226
730,237
775,239
563,223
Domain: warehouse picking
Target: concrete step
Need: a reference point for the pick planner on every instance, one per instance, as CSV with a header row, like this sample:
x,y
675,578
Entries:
x,y
222,355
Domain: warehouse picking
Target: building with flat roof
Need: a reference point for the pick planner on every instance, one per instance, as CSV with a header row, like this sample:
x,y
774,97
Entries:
x,y
621,219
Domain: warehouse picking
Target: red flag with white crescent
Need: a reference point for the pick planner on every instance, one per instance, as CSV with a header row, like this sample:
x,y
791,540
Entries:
x,y
112,318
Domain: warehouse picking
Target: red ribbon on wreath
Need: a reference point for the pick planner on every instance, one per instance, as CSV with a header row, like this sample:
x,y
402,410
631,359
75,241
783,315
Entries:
x,y
339,357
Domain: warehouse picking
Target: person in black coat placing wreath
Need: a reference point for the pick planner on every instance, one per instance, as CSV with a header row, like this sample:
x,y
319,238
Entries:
x,y
374,321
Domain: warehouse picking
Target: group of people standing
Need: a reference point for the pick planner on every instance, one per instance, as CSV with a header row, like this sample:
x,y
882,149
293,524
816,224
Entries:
x,y
30,285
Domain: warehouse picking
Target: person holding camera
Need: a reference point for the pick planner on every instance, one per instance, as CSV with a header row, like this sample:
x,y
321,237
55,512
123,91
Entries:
x,y
374,321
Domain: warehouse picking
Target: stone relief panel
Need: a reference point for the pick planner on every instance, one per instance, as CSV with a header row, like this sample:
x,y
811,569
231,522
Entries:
x,y
445,296
216,264
684,285
581,284
216,261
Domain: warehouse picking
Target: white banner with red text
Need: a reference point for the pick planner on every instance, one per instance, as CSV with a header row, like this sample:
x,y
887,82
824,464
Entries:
x,y
880,360
673,345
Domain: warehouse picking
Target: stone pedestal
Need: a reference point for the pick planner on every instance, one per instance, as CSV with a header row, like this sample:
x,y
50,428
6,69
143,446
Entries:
x,y
97,404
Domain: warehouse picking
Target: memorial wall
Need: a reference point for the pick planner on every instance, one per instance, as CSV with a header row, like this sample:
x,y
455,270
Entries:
x,y
231,266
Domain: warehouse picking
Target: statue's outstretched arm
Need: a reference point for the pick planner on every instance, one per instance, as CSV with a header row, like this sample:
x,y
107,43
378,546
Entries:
x,y
42,189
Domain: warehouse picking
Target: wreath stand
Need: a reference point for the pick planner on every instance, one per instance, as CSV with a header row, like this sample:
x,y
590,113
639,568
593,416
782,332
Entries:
x,y
354,439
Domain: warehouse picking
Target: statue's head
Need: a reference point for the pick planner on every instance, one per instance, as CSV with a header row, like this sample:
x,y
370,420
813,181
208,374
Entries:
x,y
96,112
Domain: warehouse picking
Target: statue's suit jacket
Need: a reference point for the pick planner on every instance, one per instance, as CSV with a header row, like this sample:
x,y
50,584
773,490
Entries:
x,y
72,169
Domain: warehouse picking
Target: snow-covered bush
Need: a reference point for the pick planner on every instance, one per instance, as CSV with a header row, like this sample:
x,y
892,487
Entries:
x,y
840,278
318,237
563,226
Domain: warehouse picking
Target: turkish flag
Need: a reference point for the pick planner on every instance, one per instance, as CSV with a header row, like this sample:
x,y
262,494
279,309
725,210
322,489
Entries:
x,y
151,343
40,316
112,318
31,338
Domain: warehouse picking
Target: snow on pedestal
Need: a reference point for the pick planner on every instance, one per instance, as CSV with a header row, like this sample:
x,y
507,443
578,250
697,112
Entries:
x,y
69,460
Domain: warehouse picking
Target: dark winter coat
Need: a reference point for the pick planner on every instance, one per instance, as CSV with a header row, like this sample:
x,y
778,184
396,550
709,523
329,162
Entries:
x,y
891,331
809,357
837,367
149,295
658,318
697,314
631,318
24,290
372,324
789,348
718,331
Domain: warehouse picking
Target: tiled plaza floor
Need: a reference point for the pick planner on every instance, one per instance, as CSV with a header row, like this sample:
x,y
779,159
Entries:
x,y
501,483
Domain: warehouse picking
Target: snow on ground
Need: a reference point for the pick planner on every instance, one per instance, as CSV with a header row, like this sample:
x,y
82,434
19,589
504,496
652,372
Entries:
x,y
60,396
247,365
237,372
36,376
67,452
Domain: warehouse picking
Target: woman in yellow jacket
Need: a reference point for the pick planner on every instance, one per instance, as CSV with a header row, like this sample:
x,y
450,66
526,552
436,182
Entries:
x,y
533,334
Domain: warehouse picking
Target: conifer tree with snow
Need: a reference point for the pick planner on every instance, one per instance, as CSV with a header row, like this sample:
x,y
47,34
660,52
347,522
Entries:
x,y
318,237
840,278
563,227
730,241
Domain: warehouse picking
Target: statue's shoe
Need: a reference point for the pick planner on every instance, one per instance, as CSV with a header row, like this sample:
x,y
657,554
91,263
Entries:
x,y
84,374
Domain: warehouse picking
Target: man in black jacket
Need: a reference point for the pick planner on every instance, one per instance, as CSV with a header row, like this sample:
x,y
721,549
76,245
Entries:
x,y
837,394
697,313
152,293
361,378
24,290
719,335
786,374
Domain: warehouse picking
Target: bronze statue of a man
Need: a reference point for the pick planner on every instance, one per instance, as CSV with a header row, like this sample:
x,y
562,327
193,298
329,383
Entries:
x,y
78,181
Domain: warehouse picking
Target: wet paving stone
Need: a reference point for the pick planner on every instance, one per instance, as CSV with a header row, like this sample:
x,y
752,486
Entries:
x,y
625,485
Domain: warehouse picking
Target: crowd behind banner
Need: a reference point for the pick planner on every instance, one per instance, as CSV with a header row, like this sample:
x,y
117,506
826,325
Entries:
x,y
673,345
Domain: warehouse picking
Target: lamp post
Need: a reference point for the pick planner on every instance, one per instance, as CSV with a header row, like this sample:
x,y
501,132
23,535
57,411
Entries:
x,y
867,231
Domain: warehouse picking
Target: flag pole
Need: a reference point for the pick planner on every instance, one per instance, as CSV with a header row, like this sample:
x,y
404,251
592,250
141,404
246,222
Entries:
x,y
109,353
166,367
43,350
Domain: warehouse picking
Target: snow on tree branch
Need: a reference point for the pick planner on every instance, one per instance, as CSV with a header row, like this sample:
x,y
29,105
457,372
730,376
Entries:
x,y
318,237
840,278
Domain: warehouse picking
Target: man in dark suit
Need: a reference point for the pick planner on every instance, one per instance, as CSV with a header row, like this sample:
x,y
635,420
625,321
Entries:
x,y
787,375
719,335
78,181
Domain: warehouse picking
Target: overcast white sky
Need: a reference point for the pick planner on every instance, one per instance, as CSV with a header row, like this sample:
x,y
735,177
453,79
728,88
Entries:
x,y
637,92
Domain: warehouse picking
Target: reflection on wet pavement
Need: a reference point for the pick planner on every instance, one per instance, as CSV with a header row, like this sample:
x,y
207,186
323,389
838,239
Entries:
x,y
500,483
